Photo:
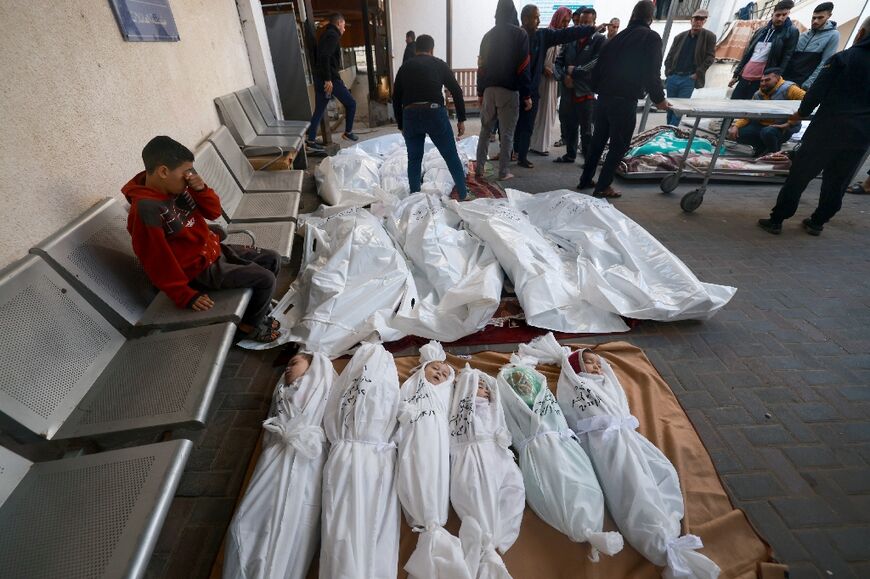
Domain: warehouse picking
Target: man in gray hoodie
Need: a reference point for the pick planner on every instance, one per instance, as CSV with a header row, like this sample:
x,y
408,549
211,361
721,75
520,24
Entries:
x,y
814,47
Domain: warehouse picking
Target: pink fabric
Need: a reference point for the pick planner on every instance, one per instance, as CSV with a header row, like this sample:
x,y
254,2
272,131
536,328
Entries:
x,y
559,15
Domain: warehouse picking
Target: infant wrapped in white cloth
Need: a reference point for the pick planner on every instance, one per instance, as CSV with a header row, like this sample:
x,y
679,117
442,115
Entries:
x,y
360,535
640,484
486,485
274,532
561,486
423,477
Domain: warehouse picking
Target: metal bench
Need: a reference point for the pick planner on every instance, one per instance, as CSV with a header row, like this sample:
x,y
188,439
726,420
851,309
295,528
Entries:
x,y
275,235
254,144
235,204
265,108
90,516
248,179
95,254
67,372
261,124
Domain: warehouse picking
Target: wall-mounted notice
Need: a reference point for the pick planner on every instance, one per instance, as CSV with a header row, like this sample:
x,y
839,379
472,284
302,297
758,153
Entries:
x,y
145,20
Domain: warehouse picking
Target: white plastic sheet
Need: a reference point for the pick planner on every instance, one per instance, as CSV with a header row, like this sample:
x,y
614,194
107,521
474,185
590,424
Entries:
x,y
458,279
352,280
621,267
486,485
561,486
394,174
641,486
350,179
423,476
544,276
275,530
360,537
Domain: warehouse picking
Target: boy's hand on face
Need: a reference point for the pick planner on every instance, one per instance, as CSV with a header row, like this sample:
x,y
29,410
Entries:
x,y
194,181
202,303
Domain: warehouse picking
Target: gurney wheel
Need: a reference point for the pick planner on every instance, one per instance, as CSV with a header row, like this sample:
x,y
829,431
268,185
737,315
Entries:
x,y
670,182
692,200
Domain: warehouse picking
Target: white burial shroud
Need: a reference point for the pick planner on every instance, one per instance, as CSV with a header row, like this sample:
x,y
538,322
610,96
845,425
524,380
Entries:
x,y
458,279
486,485
544,277
274,532
360,536
621,267
641,486
352,280
423,475
561,486
349,179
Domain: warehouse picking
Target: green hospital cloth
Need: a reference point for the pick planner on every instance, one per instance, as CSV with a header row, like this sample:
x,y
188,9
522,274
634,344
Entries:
x,y
667,142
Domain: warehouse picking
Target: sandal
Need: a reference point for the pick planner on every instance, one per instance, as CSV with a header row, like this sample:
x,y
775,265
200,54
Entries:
x,y
857,189
273,323
609,193
263,334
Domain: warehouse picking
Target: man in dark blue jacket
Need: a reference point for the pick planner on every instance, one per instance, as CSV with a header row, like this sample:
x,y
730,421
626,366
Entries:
x,y
772,46
328,83
503,81
540,40
835,142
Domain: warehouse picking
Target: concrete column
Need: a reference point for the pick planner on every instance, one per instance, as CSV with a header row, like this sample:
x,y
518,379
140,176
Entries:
x,y
254,32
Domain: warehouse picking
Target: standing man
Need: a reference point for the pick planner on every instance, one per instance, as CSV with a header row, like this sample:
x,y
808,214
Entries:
x,y
410,46
418,99
691,54
612,28
836,140
770,46
814,47
574,69
328,83
540,40
628,67
764,135
503,82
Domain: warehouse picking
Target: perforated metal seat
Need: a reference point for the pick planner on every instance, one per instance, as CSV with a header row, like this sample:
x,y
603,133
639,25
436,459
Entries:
x,y
94,252
259,122
248,179
263,105
243,131
278,206
86,517
68,372
274,235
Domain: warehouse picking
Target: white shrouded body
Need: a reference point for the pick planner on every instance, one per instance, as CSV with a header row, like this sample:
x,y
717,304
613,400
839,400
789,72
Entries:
x,y
274,532
360,536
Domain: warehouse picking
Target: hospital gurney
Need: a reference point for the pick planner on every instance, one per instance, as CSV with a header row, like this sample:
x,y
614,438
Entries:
x,y
727,110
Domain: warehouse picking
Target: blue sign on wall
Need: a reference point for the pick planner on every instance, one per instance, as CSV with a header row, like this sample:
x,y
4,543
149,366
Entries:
x,y
145,20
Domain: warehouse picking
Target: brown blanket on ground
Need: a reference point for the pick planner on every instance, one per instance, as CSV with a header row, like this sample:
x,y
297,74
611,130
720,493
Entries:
x,y
541,552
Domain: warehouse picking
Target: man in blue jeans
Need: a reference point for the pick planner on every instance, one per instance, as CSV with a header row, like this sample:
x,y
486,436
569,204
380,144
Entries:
x,y
328,83
691,54
419,105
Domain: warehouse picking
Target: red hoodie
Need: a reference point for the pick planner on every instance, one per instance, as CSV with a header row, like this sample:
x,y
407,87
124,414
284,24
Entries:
x,y
173,245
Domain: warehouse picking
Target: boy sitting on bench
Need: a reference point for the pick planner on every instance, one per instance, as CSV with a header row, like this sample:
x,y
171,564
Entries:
x,y
169,205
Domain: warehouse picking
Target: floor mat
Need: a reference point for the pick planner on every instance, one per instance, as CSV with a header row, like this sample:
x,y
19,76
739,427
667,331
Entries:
x,y
485,187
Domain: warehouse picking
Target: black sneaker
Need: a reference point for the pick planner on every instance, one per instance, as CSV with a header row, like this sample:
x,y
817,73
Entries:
x,y
314,146
811,227
770,226
350,137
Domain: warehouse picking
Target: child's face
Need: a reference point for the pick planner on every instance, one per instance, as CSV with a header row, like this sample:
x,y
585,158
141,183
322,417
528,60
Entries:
x,y
175,180
482,390
592,362
296,367
437,372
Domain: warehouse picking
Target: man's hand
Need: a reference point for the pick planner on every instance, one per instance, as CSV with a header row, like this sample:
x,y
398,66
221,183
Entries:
x,y
327,87
569,82
460,128
782,126
570,70
527,104
480,100
202,303
601,28
732,133
732,82
194,181
795,118
694,76
548,72
664,105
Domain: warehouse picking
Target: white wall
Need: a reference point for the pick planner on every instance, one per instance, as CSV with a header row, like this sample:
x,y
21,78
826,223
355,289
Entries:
x,y
79,103
429,17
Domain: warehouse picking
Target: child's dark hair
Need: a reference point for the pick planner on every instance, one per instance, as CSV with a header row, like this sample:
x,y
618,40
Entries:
x,y
162,150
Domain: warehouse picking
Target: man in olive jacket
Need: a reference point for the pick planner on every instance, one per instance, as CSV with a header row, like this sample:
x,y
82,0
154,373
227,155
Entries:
x,y
691,54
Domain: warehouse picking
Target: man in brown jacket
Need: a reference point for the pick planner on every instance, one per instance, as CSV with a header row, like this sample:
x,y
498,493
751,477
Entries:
x,y
691,54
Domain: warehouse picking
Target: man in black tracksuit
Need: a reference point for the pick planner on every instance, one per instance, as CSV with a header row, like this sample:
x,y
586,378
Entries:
x,y
836,140
629,65
540,40
328,83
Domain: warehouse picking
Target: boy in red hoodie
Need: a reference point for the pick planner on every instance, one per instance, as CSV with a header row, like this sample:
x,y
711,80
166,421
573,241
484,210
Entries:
x,y
169,205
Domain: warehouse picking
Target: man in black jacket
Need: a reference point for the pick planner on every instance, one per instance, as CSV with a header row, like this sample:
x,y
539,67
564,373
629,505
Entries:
x,y
418,100
628,67
328,83
540,40
771,46
503,81
410,46
574,70
836,140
